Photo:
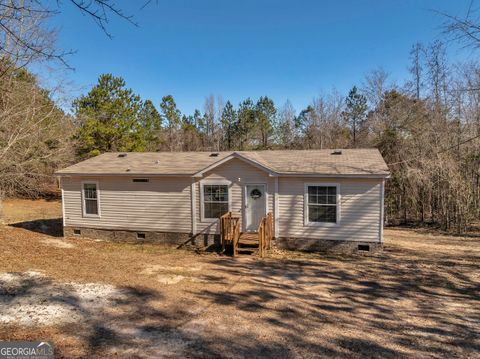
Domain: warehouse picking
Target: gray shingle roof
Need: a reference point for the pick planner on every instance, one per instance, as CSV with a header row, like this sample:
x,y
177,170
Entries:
x,y
289,162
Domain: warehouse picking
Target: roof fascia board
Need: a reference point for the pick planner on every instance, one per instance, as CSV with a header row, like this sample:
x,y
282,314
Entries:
x,y
129,174
86,174
231,157
280,174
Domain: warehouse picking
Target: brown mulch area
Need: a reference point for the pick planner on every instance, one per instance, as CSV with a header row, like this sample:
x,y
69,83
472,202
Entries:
x,y
420,297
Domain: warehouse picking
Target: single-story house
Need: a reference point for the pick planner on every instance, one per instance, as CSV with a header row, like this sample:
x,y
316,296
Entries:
x,y
320,199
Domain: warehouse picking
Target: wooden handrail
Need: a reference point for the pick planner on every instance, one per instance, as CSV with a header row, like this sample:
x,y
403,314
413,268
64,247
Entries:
x,y
230,231
265,234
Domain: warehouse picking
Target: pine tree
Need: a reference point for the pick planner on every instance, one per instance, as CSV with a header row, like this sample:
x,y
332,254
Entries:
x,y
108,118
246,123
150,126
229,123
355,113
265,115
172,117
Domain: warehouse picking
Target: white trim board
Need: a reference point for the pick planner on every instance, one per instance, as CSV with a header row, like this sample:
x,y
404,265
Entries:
x,y
382,211
85,215
193,197
306,222
219,182
276,209
63,202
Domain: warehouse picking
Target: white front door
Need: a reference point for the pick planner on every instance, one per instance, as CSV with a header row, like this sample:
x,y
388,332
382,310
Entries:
x,y
255,206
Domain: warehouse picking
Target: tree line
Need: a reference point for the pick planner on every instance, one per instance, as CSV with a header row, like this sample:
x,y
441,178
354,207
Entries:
x,y
426,128
111,117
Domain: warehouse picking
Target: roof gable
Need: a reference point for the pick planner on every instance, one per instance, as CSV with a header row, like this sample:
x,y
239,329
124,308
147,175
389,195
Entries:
x,y
231,157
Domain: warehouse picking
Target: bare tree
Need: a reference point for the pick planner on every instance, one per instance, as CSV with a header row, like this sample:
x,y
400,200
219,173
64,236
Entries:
x,y
375,85
437,71
416,69
463,29
285,131
209,116
26,37
34,136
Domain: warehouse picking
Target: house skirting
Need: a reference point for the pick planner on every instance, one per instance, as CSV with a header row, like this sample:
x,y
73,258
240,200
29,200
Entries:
x,y
327,246
167,238
213,240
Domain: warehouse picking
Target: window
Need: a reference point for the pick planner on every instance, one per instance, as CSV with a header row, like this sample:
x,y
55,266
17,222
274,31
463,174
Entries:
x,y
90,199
321,204
141,180
215,200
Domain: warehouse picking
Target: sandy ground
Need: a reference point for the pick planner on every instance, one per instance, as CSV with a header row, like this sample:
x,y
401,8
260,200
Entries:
x,y
420,297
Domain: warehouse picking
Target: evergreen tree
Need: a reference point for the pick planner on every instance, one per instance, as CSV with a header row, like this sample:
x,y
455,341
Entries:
x,y
265,114
108,118
229,123
190,135
246,123
172,117
355,113
198,120
150,126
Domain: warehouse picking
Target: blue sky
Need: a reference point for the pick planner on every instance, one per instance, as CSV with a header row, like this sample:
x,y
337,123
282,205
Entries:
x,y
292,50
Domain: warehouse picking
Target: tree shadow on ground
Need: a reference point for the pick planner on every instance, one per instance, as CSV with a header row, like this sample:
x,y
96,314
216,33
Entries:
x,y
52,227
391,305
400,303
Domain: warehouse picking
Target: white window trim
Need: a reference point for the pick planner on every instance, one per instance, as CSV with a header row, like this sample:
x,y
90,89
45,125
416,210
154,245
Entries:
x,y
212,182
245,195
306,222
98,200
63,201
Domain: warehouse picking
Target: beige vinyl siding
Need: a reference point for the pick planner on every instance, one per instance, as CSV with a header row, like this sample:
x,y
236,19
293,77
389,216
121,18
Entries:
x,y
232,171
359,210
163,204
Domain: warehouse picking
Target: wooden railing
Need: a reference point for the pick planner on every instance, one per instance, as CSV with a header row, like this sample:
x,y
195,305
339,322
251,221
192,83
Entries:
x,y
230,232
265,234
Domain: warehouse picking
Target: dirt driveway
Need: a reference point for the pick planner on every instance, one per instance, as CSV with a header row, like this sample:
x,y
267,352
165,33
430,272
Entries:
x,y
420,297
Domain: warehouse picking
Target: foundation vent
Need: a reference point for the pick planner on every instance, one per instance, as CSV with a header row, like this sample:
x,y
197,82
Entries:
x,y
77,232
140,235
364,247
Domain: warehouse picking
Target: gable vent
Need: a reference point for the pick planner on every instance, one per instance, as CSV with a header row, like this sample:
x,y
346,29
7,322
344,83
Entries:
x,y
214,154
122,155
337,152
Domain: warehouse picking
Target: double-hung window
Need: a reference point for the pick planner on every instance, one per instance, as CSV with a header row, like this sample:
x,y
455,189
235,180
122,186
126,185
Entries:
x,y
90,199
215,200
321,203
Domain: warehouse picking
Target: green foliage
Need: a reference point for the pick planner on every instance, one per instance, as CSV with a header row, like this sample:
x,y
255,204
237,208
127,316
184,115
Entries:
x,y
355,113
303,120
150,125
109,118
172,116
229,124
246,122
265,114
169,112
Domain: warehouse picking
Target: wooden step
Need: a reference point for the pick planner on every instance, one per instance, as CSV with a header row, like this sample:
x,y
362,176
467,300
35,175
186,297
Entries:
x,y
247,251
245,243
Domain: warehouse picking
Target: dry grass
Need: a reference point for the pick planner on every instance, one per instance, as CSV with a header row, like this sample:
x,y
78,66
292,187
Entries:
x,y
420,297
